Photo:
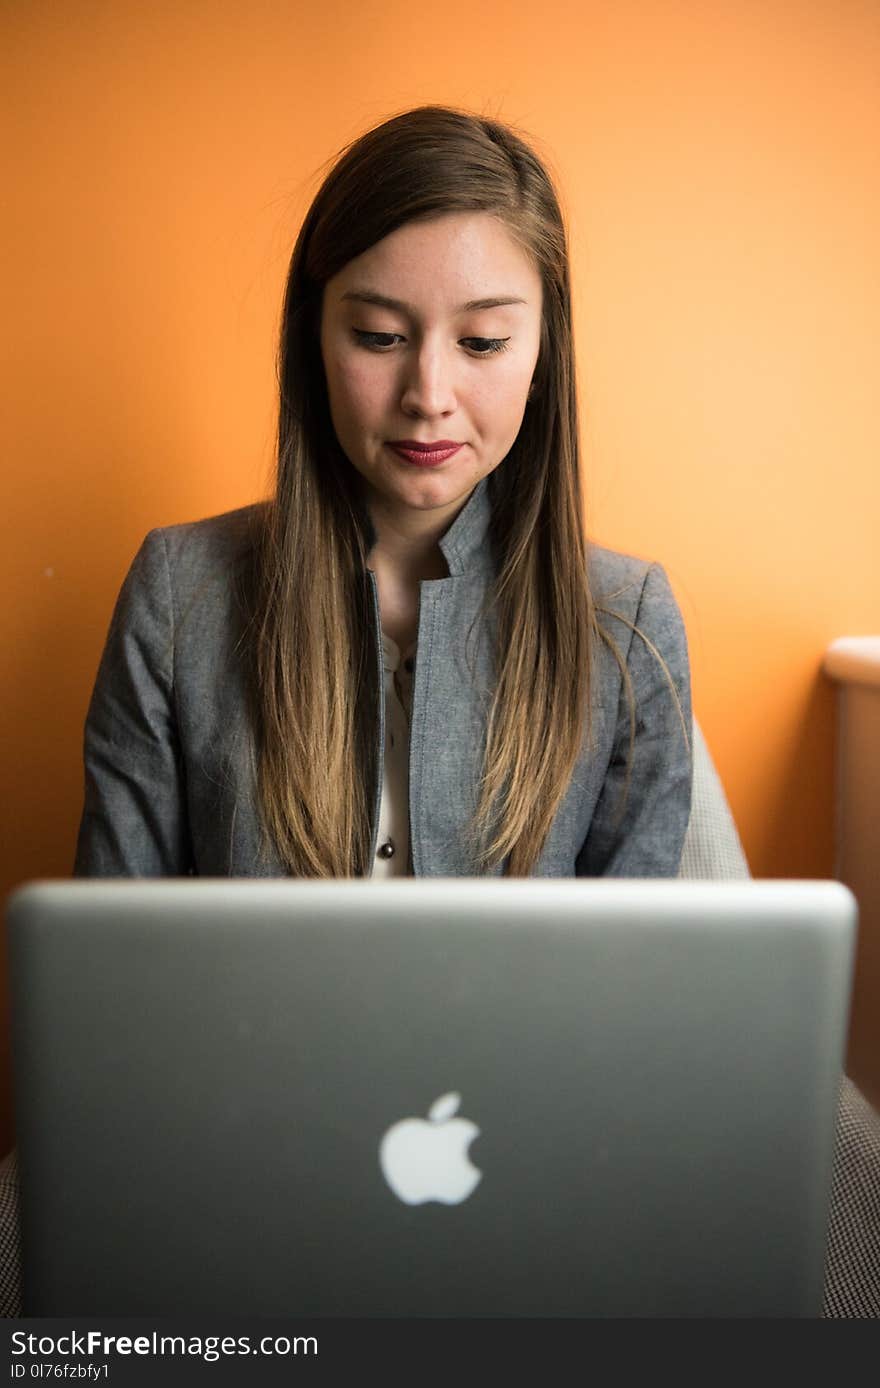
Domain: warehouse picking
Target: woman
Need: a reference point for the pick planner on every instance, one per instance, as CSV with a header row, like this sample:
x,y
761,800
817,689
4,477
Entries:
x,y
410,660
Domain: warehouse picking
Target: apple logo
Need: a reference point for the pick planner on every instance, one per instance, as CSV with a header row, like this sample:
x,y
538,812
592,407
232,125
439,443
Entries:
x,y
427,1160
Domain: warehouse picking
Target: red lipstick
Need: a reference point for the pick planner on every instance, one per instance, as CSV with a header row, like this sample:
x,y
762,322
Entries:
x,y
425,454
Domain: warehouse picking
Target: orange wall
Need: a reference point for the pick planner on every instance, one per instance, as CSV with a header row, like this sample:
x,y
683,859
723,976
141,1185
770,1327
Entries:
x,y
718,164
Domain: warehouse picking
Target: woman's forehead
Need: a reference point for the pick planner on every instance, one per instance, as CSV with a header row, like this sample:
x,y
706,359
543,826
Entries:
x,y
466,261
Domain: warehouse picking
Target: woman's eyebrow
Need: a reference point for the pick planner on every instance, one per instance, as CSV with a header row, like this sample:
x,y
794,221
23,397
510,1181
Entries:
x,y
367,296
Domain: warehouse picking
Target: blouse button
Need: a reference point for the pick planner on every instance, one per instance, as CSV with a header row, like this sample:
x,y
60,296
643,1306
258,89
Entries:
x,y
386,850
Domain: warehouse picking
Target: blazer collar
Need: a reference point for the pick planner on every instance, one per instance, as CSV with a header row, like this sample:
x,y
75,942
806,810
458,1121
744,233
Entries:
x,y
464,545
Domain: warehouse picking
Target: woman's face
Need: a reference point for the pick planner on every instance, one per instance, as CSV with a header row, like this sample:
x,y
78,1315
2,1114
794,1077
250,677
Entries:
x,y
421,367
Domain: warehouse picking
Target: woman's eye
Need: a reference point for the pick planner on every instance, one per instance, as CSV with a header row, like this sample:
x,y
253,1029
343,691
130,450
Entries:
x,y
374,339
488,345
481,346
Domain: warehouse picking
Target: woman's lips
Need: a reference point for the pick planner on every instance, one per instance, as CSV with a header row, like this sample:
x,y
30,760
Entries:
x,y
425,458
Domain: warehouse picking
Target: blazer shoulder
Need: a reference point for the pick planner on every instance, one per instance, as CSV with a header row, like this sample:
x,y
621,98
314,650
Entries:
x,y
203,567
633,592
616,578
214,543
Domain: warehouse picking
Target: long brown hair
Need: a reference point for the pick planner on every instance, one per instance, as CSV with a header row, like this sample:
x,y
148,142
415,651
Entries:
x,y
315,680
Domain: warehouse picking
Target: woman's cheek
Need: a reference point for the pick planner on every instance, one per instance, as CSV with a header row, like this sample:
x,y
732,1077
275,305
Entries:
x,y
366,388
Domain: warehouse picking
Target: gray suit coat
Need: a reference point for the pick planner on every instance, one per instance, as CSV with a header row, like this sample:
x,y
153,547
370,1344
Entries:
x,y
170,772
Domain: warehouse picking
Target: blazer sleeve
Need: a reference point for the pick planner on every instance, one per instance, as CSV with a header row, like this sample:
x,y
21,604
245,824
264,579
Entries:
x,y
643,834
134,821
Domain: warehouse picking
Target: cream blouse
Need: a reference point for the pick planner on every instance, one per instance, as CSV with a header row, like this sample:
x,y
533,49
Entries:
x,y
393,854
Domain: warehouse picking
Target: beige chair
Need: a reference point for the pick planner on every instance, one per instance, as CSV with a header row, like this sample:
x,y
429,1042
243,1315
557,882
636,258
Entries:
x,y
712,849
853,664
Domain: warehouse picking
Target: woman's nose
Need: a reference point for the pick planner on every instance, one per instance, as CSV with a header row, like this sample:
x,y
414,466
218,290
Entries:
x,y
429,381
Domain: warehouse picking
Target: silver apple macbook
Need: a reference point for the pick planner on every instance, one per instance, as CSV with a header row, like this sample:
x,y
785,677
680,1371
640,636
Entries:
x,y
427,1097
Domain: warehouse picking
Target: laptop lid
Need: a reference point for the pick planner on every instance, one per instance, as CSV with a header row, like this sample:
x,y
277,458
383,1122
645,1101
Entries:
x,y
427,1097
